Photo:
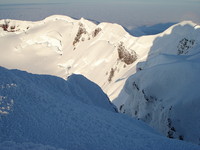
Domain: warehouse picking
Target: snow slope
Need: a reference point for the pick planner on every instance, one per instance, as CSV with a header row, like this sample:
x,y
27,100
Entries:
x,y
108,55
47,112
10,145
59,45
165,90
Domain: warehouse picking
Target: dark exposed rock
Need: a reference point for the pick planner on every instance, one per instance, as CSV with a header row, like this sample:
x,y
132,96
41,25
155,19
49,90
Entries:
x,y
126,56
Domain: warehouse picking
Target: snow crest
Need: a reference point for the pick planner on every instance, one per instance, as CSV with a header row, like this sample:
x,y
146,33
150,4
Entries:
x,y
164,90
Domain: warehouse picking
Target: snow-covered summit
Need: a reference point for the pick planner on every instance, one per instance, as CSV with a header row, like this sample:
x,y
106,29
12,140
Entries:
x,y
59,17
104,53
61,46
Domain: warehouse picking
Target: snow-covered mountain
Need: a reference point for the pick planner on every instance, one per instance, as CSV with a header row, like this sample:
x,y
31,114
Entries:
x,y
165,90
47,112
108,55
59,45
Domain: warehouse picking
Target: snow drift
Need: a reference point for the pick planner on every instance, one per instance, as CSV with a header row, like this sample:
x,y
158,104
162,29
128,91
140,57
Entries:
x,y
165,90
47,112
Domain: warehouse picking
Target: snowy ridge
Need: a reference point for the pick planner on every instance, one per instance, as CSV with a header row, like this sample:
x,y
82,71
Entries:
x,y
107,55
52,113
59,45
164,90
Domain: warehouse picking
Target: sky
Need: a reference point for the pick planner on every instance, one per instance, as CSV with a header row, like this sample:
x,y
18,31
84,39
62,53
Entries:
x,y
95,1
128,13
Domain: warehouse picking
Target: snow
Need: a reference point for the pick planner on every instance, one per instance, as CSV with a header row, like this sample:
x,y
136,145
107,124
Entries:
x,y
48,112
164,92
62,46
47,47
180,39
53,46
10,145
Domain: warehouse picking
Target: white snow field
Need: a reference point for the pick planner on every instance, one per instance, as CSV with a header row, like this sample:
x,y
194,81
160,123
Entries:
x,y
46,112
166,65
59,45
165,90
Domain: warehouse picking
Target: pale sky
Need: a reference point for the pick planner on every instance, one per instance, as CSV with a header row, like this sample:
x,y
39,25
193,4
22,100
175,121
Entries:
x,y
95,1
128,13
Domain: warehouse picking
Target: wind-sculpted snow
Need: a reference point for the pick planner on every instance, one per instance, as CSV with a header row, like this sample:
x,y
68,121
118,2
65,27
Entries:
x,y
48,112
77,87
165,90
167,98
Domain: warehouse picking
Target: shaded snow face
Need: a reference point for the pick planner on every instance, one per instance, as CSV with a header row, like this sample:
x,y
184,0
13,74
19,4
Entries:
x,y
165,90
50,113
8,145
167,98
77,87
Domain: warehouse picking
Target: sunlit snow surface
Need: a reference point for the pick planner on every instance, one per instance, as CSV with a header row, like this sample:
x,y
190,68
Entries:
x,y
60,45
52,46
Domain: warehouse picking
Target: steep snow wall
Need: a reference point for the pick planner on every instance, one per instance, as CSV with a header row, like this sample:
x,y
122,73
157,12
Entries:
x,y
165,90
